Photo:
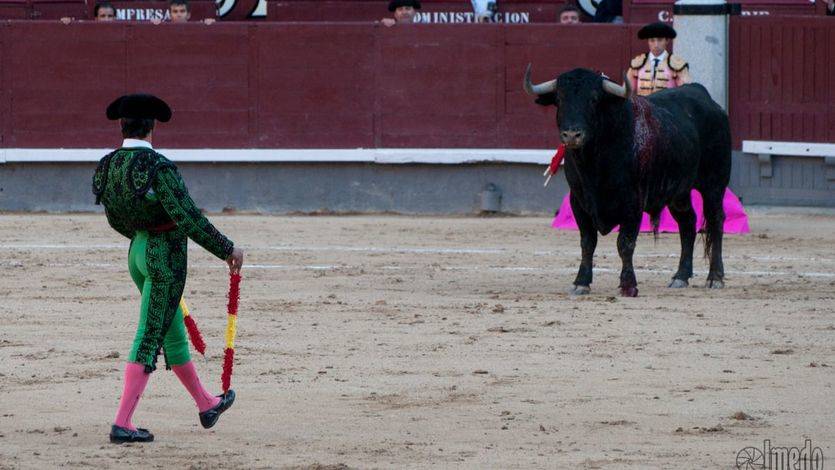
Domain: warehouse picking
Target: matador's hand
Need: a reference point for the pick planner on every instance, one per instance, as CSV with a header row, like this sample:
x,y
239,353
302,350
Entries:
x,y
235,261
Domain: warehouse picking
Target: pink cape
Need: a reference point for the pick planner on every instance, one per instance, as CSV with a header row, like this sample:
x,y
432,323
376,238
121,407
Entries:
x,y
735,219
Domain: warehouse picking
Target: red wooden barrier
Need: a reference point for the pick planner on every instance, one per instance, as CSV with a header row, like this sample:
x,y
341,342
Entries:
x,y
338,85
302,85
782,78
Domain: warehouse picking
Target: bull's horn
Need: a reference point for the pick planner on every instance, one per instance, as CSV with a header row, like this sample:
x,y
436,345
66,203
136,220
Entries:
x,y
614,88
542,88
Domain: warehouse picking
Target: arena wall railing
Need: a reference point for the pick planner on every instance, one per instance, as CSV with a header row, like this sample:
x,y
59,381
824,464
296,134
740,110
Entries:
x,y
257,95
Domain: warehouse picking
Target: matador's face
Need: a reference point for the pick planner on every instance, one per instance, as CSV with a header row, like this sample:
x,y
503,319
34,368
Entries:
x,y
658,45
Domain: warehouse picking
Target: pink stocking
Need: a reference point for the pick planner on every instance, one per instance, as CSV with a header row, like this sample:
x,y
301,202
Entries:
x,y
188,376
135,381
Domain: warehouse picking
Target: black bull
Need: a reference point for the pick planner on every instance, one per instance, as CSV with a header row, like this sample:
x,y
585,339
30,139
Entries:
x,y
627,154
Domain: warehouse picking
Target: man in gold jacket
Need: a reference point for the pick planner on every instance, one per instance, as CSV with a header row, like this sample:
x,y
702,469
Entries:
x,y
658,69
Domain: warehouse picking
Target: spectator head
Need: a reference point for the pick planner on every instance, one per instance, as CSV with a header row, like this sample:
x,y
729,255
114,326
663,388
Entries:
x,y
179,11
569,14
404,10
104,11
658,35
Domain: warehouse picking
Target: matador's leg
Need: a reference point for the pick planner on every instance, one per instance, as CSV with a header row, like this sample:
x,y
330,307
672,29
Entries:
x,y
168,261
136,377
161,289
164,269
175,345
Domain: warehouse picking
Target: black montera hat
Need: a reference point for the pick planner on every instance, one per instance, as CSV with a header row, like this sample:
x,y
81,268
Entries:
x,y
395,4
657,30
139,106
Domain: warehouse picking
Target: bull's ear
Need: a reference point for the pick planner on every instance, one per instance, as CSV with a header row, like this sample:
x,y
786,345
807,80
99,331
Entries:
x,y
547,99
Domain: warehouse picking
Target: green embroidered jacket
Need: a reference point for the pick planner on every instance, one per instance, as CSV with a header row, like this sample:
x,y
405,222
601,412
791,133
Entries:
x,y
141,190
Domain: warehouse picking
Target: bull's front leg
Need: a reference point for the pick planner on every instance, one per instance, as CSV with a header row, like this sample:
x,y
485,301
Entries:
x,y
588,243
627,238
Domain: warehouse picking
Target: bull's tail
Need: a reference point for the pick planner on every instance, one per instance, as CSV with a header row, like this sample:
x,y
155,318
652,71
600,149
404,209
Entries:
x,y
708,236
655,221
713,223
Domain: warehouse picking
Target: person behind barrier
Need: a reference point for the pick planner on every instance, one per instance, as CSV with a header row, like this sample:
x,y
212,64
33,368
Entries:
x,y
658,69
179,11
404,12
569,14
103,11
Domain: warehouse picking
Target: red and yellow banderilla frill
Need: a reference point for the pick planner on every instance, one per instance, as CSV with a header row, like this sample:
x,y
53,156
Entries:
x,y
191,327
231,329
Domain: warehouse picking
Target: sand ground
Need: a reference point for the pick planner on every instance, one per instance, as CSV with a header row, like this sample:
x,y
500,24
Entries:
x,y
403,342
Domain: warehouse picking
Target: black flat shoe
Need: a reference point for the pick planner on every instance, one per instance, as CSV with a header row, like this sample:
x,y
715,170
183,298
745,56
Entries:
x,y
209,418
120,435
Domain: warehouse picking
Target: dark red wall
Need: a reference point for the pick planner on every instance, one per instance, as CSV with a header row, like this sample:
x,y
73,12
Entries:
x,y
267,85
320,85
782,76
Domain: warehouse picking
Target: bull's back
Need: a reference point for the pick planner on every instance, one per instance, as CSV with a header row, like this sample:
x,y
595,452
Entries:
x,y
692,101
693,105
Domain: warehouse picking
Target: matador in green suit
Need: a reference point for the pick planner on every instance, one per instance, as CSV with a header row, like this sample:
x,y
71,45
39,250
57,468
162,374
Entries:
x,y
146,200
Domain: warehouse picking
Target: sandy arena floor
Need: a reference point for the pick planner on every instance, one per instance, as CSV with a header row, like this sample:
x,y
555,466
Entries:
x,y
391,342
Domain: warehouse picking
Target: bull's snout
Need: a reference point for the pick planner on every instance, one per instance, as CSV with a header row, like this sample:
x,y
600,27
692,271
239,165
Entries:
x,y
572,138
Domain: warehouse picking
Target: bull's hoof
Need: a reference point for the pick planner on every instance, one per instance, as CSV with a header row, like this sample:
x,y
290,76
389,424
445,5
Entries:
x,y
579,290
715,284
629,291
678,284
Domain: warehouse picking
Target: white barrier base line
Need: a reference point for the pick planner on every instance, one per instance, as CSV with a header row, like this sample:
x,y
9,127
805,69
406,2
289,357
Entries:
x,y
440,156
337,267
